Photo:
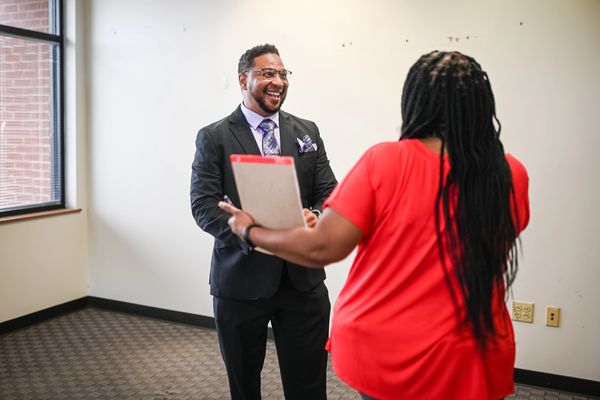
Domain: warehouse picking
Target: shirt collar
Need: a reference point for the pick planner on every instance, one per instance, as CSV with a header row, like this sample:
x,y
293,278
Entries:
x,y
255,119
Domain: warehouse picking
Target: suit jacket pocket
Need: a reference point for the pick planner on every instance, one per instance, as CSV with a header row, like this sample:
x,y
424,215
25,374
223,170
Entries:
x,y
309,155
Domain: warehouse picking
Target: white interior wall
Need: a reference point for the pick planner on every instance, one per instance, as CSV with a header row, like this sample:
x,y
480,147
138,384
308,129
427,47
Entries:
x,y
43,262
158,71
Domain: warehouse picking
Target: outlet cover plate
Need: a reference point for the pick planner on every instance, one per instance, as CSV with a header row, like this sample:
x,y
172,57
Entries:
x,y
522,311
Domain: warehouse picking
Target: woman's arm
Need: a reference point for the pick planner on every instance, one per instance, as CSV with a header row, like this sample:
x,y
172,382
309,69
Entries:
x,y
332,239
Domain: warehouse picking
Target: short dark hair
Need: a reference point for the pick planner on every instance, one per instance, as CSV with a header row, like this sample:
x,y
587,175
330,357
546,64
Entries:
x,y
247,59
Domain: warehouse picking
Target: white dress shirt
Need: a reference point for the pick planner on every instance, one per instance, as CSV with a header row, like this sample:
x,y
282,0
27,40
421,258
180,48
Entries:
x,y
255,119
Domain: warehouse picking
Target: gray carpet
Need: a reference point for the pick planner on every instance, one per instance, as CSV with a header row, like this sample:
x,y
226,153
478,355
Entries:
x,y
98,354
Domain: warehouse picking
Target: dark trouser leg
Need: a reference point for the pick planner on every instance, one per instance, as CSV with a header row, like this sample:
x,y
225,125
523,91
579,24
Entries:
x,y
301,328
365,397
242,332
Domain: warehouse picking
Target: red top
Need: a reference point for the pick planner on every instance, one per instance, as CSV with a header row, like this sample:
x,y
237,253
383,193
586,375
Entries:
x,y
395,332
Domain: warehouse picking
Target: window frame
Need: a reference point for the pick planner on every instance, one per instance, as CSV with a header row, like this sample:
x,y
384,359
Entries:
x,y
56,25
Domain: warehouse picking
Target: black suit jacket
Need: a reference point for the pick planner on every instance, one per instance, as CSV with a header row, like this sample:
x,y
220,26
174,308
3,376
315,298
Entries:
x,y
237,272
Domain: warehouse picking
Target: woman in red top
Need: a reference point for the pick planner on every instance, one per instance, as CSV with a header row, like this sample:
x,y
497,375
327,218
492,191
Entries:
x,y
436,218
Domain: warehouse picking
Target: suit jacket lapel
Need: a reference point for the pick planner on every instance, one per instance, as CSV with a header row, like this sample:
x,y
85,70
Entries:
x,y
241,131
287,134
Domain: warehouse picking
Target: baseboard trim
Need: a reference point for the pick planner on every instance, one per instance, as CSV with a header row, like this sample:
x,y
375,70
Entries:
x,y
42,315
522,376
153,312
557,382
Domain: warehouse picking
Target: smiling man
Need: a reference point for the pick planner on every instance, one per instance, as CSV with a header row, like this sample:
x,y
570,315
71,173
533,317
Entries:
x,y
251,288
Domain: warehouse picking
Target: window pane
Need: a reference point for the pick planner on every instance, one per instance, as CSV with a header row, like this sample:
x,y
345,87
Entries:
x,y
29,140
27,14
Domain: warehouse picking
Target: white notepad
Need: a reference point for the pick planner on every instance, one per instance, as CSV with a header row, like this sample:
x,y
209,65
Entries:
x,y
268,190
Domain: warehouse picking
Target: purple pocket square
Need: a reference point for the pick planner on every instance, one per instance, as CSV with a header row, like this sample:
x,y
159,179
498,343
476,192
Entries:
x,y
306,145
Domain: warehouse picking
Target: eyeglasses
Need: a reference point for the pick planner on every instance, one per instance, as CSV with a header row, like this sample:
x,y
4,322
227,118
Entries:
x,y
269,73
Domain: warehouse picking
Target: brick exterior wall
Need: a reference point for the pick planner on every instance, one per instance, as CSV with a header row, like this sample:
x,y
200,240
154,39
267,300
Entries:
x,y
25,108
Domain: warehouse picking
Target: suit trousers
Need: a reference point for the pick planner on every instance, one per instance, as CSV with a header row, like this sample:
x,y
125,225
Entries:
x,y
300,322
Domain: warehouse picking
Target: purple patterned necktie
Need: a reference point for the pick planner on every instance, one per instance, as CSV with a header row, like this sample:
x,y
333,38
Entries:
x,y
270,147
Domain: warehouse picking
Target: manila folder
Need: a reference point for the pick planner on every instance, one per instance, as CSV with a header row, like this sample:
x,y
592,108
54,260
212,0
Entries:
x,y
268,190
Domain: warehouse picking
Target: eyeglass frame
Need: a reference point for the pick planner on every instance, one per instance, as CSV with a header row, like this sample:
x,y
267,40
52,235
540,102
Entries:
x,y
286,72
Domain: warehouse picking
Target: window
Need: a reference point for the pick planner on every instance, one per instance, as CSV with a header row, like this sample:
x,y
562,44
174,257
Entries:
x,y
31,128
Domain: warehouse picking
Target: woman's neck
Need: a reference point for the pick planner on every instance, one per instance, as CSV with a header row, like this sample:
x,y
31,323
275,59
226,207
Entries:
x,y
434,144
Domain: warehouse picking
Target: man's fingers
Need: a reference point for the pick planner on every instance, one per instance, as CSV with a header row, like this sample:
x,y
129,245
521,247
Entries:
x,y
309,218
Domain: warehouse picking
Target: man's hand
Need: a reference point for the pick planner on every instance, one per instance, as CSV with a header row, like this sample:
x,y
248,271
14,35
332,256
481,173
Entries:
x,y
239,219
310,218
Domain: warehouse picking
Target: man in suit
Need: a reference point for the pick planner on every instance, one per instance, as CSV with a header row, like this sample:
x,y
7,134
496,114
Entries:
x,y
251,288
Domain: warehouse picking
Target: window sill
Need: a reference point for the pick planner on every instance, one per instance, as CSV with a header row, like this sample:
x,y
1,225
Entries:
x,y
37,215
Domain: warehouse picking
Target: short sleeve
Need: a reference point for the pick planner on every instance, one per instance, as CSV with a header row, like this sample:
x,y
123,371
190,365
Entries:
x,y
354,197
521,192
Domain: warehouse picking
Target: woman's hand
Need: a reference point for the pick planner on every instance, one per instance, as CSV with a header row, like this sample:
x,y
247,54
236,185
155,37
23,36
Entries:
x,y
239,219
330,240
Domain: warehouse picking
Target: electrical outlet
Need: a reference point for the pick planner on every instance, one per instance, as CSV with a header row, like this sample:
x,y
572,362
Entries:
x,y
552,316
522,311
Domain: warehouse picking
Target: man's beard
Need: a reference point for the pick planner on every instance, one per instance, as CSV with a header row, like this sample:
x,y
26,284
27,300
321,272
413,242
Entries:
x,y
263,105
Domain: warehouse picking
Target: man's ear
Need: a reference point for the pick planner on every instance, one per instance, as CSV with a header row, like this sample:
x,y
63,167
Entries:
x,y
242,78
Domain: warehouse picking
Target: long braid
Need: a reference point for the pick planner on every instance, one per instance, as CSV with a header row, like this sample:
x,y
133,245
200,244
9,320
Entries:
x,y
448,96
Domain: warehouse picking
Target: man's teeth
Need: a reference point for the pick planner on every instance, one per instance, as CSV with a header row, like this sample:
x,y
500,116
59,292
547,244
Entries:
x,y
276,94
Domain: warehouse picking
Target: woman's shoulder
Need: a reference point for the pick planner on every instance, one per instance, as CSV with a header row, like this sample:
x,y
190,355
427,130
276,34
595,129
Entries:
x,y
517,168
389,148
